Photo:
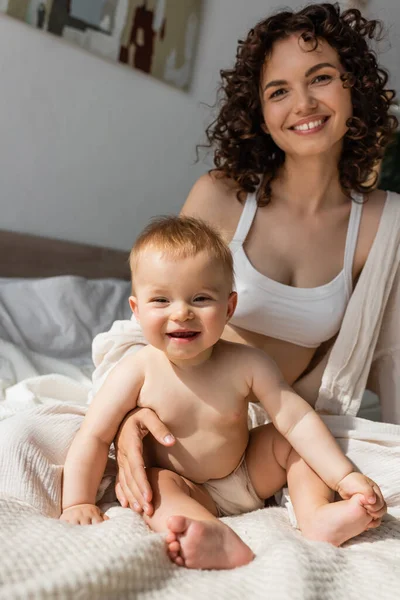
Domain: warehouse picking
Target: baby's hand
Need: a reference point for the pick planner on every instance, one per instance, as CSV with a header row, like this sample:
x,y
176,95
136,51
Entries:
x,y
83,514
357,483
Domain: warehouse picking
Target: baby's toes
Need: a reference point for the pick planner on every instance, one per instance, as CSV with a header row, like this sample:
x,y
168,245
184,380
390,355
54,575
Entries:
x,y
377,514
374,524
179,561
174,547
170,537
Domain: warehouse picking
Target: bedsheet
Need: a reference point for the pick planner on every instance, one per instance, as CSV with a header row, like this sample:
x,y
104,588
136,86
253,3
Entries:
x,y
43,401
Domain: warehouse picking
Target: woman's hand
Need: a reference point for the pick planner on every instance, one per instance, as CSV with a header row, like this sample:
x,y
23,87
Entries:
x,y
132,486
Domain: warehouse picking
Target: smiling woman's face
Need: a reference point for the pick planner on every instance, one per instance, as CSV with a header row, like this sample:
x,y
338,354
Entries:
x,y
304,103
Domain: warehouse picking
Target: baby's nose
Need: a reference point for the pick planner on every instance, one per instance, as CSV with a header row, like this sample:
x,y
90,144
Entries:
x,y
182,312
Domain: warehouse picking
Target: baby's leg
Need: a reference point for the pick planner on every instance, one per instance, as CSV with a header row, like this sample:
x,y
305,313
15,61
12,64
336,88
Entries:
x,y
196,538
266,459
320,518
271,460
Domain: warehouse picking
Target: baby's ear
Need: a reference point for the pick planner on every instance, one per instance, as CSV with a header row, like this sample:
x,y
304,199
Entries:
x,y
232,301
134,306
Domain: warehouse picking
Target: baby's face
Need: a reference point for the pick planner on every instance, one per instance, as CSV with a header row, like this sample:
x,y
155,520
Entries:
x,y
182,304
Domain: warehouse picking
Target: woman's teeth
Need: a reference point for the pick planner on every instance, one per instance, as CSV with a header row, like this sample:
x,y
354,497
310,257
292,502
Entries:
x,y
310,125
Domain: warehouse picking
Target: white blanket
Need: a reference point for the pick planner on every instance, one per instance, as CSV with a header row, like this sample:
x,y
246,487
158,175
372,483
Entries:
x,y
40,557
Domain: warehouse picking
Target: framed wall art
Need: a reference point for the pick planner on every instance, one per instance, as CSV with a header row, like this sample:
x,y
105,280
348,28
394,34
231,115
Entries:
x,y
158,37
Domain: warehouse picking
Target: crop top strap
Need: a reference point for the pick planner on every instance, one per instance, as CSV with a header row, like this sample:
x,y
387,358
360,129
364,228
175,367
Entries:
x,y
245,221
351,240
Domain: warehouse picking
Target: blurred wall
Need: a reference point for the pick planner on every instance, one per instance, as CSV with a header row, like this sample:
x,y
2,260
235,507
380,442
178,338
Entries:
x,y
90,150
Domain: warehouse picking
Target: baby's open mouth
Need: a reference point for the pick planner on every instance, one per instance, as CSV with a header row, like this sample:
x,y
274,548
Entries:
x,y
183,334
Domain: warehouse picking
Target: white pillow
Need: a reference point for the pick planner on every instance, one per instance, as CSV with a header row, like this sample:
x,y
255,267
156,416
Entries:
x,y
59,316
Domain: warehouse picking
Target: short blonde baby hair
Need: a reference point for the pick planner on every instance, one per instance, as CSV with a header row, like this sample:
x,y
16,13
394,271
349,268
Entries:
x,y
181,237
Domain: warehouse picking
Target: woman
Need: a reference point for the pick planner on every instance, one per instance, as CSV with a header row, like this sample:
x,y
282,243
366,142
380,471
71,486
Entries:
x,y
302,127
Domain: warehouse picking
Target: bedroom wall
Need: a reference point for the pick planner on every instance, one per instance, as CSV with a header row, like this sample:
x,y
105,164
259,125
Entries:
x,y
89,149
389,48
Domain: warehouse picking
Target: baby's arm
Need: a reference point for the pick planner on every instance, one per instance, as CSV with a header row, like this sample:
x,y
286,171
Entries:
x,y
307,433
87,456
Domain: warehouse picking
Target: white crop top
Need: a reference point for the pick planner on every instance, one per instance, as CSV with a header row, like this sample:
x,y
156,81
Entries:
x,y
302,316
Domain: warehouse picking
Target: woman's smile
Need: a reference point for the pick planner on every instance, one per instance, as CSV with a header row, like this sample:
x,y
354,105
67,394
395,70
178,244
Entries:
x,y
310,125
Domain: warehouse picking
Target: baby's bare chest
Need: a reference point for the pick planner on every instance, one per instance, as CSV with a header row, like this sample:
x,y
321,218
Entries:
x,y
196,405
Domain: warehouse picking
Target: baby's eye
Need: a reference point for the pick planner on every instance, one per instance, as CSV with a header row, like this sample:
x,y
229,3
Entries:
x,y
202,298
322,79
159,300
278,94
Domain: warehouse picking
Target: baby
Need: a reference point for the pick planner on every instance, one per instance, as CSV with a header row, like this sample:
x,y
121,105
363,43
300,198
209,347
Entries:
x,y
182,281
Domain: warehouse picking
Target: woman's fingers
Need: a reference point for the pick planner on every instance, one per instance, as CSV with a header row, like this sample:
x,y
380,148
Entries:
x,y
129,488
136,500
152,423
139,477
143,498
135,477
121,497
146,421
133,486
149,422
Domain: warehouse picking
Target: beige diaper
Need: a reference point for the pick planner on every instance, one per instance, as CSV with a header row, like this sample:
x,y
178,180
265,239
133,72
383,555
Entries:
x,y
234,494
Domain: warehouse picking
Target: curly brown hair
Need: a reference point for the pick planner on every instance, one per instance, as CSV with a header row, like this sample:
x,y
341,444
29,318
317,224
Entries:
x,y
246,155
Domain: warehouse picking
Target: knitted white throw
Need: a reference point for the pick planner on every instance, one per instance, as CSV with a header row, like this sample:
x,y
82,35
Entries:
x,y
40,557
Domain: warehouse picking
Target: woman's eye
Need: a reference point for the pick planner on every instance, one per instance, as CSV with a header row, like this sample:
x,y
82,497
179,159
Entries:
x,y
322,79
278,93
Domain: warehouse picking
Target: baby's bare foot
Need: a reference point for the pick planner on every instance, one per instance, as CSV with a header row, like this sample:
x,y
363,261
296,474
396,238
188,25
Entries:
x,y
338,522
205,545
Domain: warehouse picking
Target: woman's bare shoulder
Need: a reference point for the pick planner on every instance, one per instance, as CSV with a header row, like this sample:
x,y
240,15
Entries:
x,y
213,198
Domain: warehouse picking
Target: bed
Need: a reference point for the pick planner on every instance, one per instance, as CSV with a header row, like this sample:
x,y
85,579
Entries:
x,y
54,297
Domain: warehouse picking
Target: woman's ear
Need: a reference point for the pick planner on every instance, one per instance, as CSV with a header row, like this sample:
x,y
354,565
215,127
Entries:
x,y
232,301
134,306
264,128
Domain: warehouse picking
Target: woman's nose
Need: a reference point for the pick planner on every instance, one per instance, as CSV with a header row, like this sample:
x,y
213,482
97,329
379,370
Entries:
x,y
305,101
